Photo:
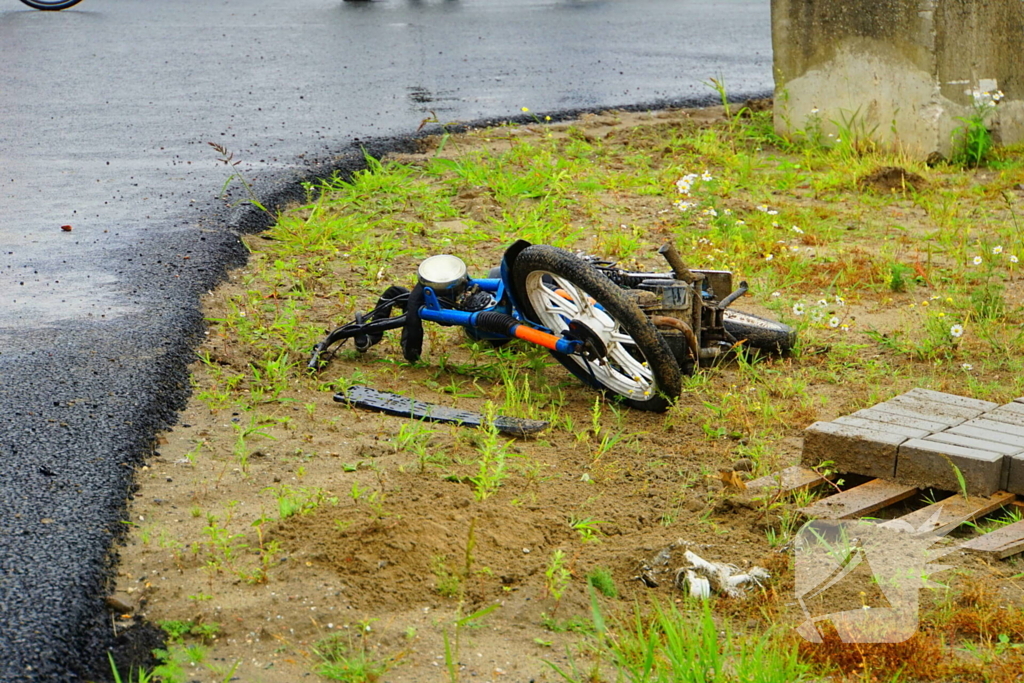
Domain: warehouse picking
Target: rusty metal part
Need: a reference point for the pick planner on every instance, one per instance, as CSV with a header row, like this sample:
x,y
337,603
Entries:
x,y
676,323
679,268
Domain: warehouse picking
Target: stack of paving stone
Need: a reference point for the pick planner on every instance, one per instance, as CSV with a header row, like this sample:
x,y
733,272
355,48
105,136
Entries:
x,y
916,438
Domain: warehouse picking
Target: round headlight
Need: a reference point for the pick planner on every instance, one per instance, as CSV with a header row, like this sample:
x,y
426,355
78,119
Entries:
x,y
442,273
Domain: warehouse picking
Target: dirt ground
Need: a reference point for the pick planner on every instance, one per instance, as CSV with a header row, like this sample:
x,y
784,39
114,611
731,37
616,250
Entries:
x,y
387,544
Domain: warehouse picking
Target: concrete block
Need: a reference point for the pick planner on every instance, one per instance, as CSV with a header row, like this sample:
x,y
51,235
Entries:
x,y
1015,475
1006,418
984,434
853,449
916,413
1014,407
899,72
903,419
942,397
930,464
929,407
976,443
908,432
998,424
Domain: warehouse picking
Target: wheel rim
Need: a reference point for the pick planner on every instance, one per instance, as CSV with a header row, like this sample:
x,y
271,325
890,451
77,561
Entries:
x,y
557,300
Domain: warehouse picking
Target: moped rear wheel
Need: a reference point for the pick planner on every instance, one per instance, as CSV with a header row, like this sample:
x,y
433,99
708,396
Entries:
x,y
554,288
52,6
759,333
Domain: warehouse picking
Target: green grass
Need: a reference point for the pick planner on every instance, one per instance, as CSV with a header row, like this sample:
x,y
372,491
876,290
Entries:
x,y
889,290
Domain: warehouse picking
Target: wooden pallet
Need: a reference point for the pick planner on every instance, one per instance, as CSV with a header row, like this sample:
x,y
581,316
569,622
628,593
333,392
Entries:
x,y
874,495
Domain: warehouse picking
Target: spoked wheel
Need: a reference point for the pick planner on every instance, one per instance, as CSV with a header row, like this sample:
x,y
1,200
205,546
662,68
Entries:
x,y
51,5
759,333
555,288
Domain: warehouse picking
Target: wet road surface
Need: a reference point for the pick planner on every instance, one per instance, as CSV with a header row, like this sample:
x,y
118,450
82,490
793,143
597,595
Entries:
x,y
105,114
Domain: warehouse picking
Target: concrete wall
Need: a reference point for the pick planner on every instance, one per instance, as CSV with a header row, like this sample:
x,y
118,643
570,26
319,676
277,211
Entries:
x,y
899,71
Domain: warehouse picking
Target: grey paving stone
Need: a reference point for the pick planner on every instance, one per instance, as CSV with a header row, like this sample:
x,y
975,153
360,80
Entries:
x,y
909,432
1016,406
902,419
1015,474
942,397
930,464
853,449
919,412
928,407
985,434
974,442
997,425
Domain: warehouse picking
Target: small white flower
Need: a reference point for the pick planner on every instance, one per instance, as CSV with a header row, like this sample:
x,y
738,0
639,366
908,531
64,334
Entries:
x,y
956,331
840,301
798,309
685,206
997,95
822,302
727,212
817,315
833,322
740,222
1013,259
976,260
710,212
776,294
997,250
769,257
797,230
814,111
706,177
967,366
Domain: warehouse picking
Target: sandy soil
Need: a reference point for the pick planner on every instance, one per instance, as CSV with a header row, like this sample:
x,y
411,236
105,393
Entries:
x,y
388,527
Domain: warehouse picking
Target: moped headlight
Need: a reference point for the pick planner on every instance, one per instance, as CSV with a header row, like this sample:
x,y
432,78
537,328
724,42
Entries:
x,y
443,273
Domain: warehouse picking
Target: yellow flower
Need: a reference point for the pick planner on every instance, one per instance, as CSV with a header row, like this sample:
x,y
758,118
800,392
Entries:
x,y
526,109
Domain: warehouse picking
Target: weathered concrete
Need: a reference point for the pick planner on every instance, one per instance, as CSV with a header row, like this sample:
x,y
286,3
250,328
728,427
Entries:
x,y
903,420
897,72
908,432
852,449
918,412
998,423
985,434
952,399
927,463
976,443
1015,474
929,407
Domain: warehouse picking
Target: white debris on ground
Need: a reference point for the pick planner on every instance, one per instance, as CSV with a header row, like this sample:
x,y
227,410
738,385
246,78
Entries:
x,y
700,578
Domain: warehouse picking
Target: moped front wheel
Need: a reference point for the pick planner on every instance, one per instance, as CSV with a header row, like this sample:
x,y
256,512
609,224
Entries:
x,y
51,6
557,290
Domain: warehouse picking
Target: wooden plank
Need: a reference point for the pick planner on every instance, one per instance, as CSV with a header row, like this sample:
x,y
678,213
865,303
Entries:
x,y
789,480
952,512
1001,543
860,500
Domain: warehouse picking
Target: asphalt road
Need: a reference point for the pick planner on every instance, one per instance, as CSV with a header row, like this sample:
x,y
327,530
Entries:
x,y
105,114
